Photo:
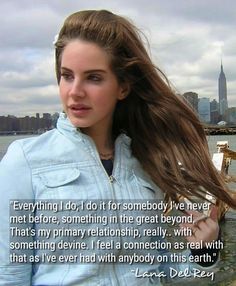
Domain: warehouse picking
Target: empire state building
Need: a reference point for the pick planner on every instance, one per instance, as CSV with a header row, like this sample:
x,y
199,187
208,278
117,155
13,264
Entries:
x,y
223,103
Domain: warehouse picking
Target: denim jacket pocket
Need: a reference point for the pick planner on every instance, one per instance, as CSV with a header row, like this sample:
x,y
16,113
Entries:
x,y
59,177
146,184
60,182
147,188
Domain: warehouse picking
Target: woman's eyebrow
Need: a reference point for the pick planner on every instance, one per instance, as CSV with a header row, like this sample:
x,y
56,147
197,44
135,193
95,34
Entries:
x,y
87,71
95,70
66,69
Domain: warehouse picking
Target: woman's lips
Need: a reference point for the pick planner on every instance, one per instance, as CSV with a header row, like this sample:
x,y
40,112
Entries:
x,y
80,109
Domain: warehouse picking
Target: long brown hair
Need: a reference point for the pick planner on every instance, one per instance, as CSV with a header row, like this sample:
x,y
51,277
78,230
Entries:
x,y
167,137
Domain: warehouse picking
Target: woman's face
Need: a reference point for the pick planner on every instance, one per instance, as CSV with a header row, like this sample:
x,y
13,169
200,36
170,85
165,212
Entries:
x,y
89,90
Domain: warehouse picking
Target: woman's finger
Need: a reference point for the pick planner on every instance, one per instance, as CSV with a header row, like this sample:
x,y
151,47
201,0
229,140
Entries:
x,y
214,213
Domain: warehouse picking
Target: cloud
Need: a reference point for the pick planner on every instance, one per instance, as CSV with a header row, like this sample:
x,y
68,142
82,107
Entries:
x,y
187,40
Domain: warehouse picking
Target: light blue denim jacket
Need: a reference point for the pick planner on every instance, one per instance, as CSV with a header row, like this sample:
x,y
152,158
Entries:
x,y
64,164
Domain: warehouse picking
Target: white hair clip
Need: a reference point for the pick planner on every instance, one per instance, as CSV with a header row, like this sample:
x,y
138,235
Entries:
x,y
55,39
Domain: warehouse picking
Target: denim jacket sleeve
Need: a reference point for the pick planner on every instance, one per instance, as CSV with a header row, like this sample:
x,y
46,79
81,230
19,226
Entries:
x,y
15,181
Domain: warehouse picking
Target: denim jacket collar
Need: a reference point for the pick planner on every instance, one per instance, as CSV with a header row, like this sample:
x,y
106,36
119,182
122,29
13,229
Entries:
x,y
65,127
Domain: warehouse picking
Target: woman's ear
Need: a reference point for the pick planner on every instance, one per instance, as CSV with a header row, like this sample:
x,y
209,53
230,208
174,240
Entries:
x,y
125,90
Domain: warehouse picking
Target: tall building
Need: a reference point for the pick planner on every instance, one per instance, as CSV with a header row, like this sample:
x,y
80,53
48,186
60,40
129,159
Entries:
x,y
222,88
214,107
231,115
204,109
192,99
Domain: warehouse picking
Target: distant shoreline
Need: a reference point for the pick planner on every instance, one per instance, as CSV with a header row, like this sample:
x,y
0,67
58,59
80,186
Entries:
x,y
208,130
220,130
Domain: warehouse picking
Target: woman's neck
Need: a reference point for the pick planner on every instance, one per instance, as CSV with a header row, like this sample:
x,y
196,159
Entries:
x,y
102,139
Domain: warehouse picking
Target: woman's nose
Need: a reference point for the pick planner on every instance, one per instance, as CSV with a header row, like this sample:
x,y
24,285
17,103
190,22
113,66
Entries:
x,y
77,88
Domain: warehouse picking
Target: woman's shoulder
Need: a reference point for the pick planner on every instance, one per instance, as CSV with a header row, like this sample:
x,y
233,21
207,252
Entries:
x,y
36,149
34,143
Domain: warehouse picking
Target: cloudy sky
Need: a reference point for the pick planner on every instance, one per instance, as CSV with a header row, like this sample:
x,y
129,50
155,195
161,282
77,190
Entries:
x,y
187,39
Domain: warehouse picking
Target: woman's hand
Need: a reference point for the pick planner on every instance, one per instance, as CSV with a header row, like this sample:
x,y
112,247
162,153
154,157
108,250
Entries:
x,y
204,228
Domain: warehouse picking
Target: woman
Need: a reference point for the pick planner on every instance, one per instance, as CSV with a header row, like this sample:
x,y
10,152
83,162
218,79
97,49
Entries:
x,y
123,132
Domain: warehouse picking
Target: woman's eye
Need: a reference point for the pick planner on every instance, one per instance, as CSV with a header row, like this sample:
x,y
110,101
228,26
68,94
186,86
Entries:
x,y
94,77
67,76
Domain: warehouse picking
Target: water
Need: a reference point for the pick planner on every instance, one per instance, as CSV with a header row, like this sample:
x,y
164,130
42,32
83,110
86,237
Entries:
x,y
226,275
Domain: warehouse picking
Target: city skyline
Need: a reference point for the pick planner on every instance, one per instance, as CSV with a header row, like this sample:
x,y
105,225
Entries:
x,y
187,41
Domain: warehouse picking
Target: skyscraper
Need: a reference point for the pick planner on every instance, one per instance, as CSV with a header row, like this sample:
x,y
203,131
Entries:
x,y
214,107
204,109
223,103
192,99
